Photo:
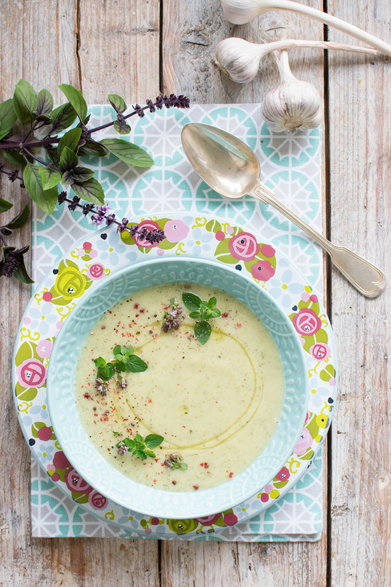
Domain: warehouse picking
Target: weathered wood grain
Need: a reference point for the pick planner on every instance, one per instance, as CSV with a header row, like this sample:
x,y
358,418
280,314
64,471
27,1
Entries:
x,y
118,49
189,38
360,159
39,41
191,34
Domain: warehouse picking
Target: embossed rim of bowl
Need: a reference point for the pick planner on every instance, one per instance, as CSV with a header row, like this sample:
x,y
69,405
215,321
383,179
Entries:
x,y
90,462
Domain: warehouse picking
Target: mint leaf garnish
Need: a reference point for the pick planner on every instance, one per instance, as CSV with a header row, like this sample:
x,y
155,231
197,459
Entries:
x,y
122,352
191,301
153,440
139,446
124,361
105,370
202,331
135,364
202,311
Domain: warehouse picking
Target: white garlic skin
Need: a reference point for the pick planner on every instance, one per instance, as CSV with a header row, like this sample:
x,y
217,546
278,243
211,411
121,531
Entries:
x,y
238,58
292,105
240,11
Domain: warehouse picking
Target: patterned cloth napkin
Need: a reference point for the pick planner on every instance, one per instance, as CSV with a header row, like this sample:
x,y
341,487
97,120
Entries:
x,y
291,165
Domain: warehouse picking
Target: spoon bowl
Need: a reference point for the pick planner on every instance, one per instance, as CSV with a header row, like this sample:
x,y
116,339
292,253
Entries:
x,y
226,164
229,166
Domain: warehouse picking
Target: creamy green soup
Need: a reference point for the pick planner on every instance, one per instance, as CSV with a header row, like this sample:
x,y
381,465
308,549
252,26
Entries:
x,y
216,404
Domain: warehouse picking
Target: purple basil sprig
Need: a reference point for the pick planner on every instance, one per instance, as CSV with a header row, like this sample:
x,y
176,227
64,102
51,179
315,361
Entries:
x,y
100,215
44,144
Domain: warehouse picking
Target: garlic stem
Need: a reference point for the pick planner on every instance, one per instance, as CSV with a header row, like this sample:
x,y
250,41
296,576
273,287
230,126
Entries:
x,y
330,45
284,68
242,11
240,59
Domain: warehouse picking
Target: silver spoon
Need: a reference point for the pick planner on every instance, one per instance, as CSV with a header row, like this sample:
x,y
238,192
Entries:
x,y
229,166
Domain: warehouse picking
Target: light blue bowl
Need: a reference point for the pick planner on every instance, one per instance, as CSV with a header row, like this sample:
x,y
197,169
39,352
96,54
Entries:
x,y
92,465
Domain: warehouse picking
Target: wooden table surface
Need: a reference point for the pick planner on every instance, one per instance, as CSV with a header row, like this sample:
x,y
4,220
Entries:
x,y
138,48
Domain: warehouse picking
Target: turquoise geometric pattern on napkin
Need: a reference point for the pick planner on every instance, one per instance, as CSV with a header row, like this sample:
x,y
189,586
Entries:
x,y
291,166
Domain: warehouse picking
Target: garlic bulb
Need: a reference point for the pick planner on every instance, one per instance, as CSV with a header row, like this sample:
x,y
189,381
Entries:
x,y
243,11
239,59
240,11
293,104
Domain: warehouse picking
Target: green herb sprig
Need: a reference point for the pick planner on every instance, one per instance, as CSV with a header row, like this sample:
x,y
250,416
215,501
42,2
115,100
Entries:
x,y
175,462
202,311
124,361
45,146
140,447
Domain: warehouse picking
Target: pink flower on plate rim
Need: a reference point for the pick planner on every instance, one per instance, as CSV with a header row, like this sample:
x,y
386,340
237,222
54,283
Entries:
x,y
283,474
230,519
208,520
304,442
306,322
175,230
96,271
263,270
31,373
44,348
320,351
243,246
142,242
97,500
75,482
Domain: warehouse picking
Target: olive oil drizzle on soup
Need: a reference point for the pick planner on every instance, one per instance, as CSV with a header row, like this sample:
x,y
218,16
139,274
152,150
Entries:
x,y
216,405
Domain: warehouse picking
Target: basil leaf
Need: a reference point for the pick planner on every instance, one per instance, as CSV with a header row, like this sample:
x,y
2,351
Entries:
x,y
4,205
25,101
7,117
68,159
214,313
20,219
202,331
153,440
70,139
128,152
77,175
62,117
121,127
45,199
92,149
21,273
135,364
89,190
191,301
49,177
75,97
117,102
13,158
44,103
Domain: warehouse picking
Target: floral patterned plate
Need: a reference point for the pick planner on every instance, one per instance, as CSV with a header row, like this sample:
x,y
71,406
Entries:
x,y
186,235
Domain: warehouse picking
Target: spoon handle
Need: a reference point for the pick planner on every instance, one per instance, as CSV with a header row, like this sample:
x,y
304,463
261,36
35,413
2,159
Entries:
x,y
363,275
